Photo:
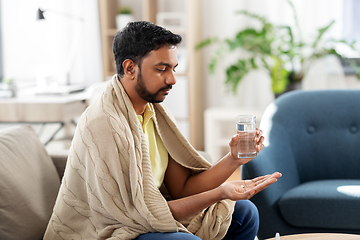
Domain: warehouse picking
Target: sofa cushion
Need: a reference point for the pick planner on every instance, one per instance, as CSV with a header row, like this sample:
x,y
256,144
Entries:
x,y
29,184
332,204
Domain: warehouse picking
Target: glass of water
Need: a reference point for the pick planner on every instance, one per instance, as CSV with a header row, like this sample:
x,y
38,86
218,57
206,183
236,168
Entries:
x,y
246,129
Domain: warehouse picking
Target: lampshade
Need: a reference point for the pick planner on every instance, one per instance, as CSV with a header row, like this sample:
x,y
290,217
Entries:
x,y
40,14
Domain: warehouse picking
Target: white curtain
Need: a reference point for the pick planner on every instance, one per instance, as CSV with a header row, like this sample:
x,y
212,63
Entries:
x,y
351,26
33,47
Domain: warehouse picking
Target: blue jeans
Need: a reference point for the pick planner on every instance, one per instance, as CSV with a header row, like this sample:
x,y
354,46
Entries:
x,y
244,226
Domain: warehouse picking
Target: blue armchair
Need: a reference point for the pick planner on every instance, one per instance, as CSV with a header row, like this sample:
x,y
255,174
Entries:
x,y
313,139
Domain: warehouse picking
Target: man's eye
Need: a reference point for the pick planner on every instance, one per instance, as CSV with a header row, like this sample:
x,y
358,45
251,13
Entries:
x,y
161,70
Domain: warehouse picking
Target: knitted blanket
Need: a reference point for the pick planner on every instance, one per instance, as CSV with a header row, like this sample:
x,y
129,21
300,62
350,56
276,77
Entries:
x,y
108,190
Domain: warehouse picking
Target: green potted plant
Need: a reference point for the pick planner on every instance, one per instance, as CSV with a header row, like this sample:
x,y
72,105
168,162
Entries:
x,y
280,50
123,16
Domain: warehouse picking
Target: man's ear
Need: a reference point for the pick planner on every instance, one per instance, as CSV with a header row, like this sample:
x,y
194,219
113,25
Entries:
x,y
129,69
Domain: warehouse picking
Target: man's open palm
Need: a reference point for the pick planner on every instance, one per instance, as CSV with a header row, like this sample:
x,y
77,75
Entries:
x,y
245,189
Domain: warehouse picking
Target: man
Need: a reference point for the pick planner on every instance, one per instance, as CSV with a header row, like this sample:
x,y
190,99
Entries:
x,y
131,173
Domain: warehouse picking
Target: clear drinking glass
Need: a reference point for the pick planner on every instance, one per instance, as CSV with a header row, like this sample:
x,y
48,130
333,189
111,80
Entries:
x,y
246,129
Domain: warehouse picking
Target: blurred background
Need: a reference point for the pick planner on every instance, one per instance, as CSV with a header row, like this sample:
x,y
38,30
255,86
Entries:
x,y
71,47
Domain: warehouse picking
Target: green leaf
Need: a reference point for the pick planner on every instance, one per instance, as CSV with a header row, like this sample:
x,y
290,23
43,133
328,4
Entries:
x,y
205,43
251,40
321,33
324,52
290,34
212,65
295,19
265,64
236,72
279,76
253,63
258,17
354,65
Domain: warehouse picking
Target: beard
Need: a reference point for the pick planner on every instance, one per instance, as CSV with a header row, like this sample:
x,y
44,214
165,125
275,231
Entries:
x,y
144,92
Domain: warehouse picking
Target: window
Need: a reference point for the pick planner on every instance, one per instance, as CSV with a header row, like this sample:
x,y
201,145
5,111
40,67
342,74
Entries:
x,y
31,47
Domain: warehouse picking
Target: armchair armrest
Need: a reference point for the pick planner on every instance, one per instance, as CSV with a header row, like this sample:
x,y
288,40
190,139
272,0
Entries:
x,y
277,155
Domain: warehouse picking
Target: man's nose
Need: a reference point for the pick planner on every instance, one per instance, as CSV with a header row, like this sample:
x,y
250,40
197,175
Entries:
x,y
171,79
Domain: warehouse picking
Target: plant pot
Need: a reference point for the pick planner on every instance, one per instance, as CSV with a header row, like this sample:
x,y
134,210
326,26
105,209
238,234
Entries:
x,y
122,20
290,87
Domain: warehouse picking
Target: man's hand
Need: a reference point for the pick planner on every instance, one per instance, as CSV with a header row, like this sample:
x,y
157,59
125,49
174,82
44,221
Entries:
x,y
259,139
245,189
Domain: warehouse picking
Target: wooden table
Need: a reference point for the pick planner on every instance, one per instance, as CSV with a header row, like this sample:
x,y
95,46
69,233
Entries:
x,y
30,108
319,236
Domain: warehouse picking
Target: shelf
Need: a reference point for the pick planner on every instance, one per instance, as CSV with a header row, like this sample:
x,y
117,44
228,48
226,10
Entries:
x,y
180,31
107,14
111,32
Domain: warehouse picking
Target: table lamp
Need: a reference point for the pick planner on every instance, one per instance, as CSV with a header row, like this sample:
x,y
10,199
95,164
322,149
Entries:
x,y
72,52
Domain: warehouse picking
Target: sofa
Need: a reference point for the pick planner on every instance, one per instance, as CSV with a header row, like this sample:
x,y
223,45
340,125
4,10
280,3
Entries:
x,y
313,139
29,183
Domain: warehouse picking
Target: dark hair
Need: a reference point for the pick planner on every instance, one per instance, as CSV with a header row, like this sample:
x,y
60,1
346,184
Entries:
x,y
139,38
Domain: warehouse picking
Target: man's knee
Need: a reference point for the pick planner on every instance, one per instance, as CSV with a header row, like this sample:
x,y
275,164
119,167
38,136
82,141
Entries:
x,y
173,236
245,221
247,212
184,236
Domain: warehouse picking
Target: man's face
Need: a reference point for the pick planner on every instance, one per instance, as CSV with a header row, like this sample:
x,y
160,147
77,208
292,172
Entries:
x,y
156,74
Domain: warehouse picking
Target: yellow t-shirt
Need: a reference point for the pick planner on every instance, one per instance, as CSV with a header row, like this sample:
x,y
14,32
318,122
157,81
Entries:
x,y
157,150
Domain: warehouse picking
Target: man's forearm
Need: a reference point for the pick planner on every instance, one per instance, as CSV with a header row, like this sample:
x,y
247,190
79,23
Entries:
x,y
184,208
212,177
